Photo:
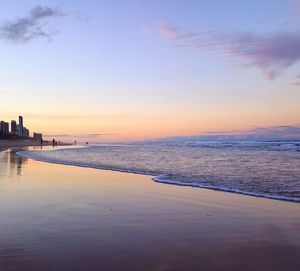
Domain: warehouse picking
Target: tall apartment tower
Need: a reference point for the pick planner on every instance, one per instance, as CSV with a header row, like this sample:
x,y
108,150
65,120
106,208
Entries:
x,y
2,127
6,128
13,127
21,126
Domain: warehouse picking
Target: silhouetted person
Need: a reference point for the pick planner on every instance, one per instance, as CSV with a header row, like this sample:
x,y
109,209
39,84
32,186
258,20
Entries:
x,y
53,142
75,143
42,141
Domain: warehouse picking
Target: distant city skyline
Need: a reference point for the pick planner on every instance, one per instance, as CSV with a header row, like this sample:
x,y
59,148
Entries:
x,y
131,70
13,130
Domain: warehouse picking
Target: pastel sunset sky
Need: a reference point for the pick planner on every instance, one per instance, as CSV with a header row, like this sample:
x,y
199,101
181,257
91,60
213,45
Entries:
x,y
135,69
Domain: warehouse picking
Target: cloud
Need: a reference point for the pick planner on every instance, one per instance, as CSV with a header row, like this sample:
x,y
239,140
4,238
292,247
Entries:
x,y
274,132
168,31
30,27
78,135
272,52
57,117
283,132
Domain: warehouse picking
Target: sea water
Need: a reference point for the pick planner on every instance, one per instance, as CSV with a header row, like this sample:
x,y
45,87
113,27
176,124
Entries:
x,y
268,168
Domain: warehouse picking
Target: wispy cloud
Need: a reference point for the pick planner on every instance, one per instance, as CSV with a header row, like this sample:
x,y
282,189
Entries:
x,y
272,52
78,135
56,116
168,31
283,132
30,27
275,132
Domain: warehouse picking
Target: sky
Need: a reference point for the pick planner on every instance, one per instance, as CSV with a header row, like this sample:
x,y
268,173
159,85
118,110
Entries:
x,y
120,70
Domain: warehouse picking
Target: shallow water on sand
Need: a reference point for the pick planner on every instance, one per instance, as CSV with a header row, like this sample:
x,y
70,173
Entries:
x,y
65,218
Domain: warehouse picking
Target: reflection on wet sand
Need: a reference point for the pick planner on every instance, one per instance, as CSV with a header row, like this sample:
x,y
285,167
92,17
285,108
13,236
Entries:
x,y
63,218
12,162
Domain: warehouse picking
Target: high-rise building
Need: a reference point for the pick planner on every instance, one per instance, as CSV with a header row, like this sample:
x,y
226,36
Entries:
x,y
6,128
37,136
1,127
21,120
20,132
15,131
25,132
13,127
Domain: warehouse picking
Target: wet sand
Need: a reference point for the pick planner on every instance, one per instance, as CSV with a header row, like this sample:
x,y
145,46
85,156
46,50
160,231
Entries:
x,y
56,217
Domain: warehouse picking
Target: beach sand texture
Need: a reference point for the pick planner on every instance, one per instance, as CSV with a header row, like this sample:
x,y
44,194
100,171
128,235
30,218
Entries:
x,y
56,217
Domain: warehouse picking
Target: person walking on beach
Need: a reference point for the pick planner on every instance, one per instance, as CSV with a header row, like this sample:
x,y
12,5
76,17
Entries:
x,y
53,142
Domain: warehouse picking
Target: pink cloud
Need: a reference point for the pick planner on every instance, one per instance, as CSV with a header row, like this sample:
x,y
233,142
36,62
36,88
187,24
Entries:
x,y
272,53
168,31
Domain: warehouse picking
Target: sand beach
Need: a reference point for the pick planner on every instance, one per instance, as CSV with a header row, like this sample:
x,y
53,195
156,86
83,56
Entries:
x,y
57,217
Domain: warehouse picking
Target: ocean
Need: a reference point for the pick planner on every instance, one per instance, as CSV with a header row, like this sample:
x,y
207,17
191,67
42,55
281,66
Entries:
x,y
268,169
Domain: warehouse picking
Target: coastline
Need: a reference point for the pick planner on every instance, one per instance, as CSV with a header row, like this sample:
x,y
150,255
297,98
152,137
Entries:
x,y
58,217
158,179
7,144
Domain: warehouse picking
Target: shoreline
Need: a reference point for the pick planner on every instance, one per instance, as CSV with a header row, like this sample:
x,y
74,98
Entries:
x,y
158,179
8,144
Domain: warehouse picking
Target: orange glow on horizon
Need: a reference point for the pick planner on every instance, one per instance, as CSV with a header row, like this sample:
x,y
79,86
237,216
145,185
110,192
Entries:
x,y
146,123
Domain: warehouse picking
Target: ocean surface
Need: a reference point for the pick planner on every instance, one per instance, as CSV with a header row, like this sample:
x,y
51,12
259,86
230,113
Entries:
x,y
267,169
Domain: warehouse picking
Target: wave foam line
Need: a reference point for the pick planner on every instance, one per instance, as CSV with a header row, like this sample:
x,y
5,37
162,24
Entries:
x,y
224,189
